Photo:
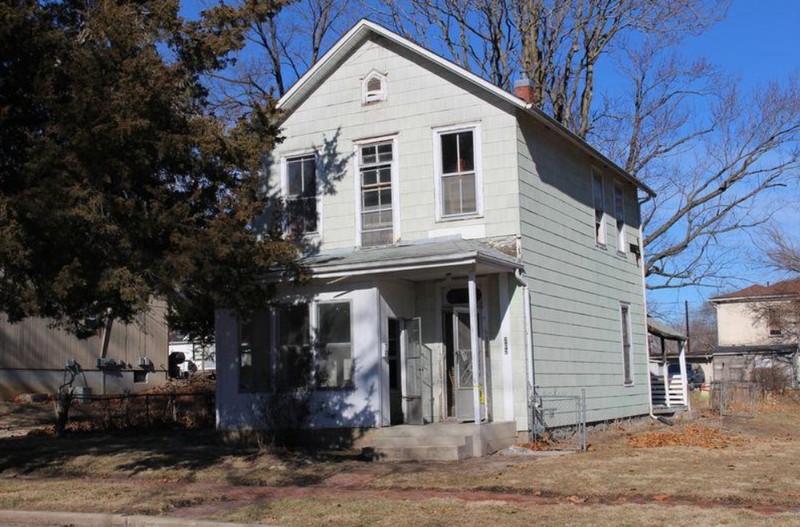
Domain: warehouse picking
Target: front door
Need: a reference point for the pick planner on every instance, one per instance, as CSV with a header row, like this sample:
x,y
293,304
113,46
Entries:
x,y
395,373
459,367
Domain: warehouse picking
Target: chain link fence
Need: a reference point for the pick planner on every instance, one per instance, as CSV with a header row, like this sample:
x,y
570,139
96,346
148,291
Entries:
x,y
558,418
735,398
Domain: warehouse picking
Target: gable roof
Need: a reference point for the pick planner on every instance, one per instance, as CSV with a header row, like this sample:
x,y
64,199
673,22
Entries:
x,y
783,288
362,31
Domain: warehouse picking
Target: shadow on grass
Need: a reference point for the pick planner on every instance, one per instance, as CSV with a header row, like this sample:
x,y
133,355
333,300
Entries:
x,y
172,455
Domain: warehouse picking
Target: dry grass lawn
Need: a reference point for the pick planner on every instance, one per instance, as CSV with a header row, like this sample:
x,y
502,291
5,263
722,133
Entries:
x,y
751,477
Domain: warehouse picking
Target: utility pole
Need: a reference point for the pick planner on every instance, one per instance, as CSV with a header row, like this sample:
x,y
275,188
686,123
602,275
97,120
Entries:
x,y
688,334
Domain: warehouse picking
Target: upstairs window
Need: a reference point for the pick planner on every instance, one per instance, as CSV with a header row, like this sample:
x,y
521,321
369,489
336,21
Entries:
x,y
774,323
619,214
458,178
599,209
373,88
300,189
376,162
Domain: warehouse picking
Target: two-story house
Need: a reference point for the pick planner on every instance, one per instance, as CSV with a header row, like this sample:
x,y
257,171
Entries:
x,y
466,248
757,334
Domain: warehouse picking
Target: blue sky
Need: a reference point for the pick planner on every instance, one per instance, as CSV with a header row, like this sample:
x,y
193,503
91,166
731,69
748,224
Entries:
x,y
757,42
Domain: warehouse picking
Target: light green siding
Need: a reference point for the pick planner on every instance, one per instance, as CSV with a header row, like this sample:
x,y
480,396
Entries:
x,y
421,97
577,286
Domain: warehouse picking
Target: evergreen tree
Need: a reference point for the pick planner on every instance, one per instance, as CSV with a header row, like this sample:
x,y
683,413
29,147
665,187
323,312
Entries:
x,y
118,184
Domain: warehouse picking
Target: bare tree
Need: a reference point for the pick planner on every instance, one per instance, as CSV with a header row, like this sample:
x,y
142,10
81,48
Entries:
x,y
557,44
783,251
478,35
711,152
283,40
703,329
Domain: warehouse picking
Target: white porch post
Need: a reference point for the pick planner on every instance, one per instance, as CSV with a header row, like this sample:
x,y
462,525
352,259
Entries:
x,y
666,372
474,345
684,377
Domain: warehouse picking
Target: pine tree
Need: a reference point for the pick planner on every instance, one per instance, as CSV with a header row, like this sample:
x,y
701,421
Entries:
x,y
118,184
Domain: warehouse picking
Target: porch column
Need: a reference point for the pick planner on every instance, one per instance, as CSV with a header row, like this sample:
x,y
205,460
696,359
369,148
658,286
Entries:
x,y
684,377
474,345
665,365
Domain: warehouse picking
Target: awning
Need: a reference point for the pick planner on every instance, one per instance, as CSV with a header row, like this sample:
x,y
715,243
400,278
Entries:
x,y
417,260
660,329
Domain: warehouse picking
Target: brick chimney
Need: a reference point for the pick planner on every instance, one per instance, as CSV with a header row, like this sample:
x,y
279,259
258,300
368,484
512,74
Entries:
x,y
523,88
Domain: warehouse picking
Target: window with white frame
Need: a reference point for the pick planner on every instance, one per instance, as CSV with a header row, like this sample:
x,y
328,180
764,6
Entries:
x,y
619,214
627,349
458,172
300,191
255,358
335,347
599,208
373,88
376,162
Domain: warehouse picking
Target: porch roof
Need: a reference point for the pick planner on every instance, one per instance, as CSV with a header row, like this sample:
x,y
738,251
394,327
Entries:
x,y
484,255
659,329
768,349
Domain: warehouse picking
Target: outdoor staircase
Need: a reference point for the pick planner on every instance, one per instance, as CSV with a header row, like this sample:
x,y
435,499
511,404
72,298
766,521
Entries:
x,y
670,399
438,441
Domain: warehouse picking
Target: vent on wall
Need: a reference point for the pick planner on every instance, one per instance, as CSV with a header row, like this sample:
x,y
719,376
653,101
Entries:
x,y
373,87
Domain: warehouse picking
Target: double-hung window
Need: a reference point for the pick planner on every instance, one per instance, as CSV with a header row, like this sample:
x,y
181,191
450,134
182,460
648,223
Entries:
x,y
619,214
300,190
627,350
458,172
599,209
376,163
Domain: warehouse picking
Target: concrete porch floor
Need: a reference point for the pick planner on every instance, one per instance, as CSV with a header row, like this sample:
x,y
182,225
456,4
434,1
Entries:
x,y
438,441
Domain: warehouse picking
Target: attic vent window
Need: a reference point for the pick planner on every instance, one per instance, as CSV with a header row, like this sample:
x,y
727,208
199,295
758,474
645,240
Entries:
x,y
373,88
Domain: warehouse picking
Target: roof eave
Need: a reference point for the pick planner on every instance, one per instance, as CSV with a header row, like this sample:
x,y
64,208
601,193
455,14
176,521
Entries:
x,y
362,29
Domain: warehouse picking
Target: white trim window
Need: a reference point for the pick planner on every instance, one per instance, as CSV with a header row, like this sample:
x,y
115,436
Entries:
x,y
599,209
376,187
619,214
335,364
627,347
457,158
373,87
300,193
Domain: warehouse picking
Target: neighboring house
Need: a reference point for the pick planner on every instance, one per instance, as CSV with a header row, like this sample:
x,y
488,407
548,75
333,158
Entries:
x,y
33,356
465,248
757,332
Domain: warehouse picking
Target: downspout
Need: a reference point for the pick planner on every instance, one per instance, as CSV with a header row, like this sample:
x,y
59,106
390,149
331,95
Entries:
x,y
647,337
529,362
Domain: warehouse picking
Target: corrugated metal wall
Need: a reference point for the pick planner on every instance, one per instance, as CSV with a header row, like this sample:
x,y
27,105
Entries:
x,y
34,344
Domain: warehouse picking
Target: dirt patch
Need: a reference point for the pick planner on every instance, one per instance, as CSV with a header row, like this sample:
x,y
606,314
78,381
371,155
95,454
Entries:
x,y
694,435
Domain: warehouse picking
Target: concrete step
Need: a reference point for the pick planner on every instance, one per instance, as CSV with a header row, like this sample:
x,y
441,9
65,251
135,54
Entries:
x,y
419,453
399,441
